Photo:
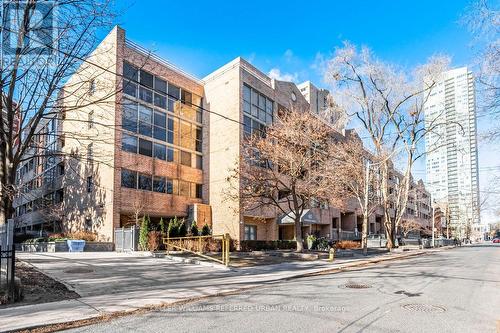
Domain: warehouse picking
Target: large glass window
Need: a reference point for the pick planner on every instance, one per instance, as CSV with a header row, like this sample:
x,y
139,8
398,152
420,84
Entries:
x,y
160,85
145,182
199,191
146,79
160,122
199,162
129,143
159,184
129,88
160,151
145,147
130,71
170,133
174,91
257,105
146,95
129,117
145,120
129,178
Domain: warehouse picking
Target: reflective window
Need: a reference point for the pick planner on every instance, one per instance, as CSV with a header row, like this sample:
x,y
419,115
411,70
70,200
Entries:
x,y
159,184
185,158
145,182
129,116
129,143
145,147
129,178
160,151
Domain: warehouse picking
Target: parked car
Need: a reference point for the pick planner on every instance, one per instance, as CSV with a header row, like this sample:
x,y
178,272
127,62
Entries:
x,y
496,240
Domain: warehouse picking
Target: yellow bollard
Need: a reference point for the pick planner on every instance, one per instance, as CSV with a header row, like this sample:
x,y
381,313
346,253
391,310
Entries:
x,y
331,256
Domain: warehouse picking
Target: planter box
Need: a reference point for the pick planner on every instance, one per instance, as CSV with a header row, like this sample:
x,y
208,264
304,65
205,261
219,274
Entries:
x,y
62,246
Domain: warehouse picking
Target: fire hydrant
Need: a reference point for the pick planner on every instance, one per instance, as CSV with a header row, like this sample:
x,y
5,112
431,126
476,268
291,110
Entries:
x,y
331,254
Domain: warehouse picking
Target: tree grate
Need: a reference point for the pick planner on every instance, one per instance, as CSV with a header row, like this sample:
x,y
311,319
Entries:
x,y
357,286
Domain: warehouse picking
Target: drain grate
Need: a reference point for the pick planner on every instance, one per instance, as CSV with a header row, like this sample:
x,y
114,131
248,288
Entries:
x,y
426,308
357,286
78,270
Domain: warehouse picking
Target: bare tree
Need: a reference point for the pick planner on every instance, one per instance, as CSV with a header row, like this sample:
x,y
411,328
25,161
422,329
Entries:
x,y
483,21
47,43
284,169
387,103
353,177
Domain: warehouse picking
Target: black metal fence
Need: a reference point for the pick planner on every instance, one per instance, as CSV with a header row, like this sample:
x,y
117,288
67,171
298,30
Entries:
x,y
7,271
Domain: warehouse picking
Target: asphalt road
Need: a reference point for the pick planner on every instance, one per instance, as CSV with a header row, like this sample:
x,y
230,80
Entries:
x,y
456,290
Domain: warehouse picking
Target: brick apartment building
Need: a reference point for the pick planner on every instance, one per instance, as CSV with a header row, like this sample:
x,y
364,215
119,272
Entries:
x,y
160,142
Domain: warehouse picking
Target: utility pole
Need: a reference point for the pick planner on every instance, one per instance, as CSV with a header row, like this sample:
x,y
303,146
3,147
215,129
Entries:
x,y
364,230
433,220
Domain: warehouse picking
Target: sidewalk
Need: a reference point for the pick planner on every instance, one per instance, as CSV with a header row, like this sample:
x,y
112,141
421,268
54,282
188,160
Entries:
x,y
107,301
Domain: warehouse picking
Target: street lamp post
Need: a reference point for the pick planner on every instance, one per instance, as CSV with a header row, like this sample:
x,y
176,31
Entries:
x,y
433,221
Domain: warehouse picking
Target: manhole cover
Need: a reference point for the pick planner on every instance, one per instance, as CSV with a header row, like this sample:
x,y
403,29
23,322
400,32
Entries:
x,y
78,270
427,308
356,286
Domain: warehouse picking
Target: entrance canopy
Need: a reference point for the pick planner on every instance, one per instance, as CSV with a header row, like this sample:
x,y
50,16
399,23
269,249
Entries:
x,y
307,217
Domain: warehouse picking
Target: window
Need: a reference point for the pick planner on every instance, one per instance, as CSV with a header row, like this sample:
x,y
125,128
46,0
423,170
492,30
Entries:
x,y
129,178
145,147
159,184
90,152
129,143
250,232
199,162
60,169
160,101
160,151
170,155
90,184
59,196
174,91
187,97
90,121
130,71
170,133
160,85
185,158
184,188
129,116
146,95
160,123
130,88
199,191
145,120
257,105
170,186
145,182
146,79
88,224
199,138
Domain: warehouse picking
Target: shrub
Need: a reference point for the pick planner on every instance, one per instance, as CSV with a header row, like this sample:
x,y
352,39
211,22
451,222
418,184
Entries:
x,y
173,227
162,226
182,228
348,244
83,235
322,244
205,231
194,229
154,240
143,234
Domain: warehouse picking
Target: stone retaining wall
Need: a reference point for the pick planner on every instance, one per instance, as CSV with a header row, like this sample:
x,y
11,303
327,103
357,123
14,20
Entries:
x,y
62,246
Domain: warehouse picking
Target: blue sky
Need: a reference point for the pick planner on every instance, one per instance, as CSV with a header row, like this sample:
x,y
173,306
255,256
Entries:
x,y
288,38
200,36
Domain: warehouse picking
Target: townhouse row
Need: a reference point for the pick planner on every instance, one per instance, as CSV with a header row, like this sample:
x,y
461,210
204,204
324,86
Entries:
x,y
137,136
